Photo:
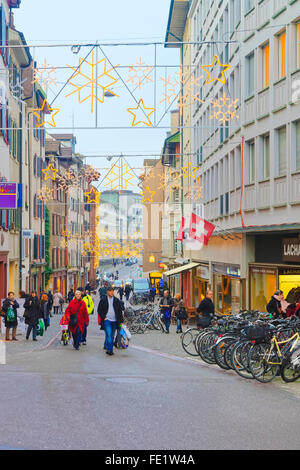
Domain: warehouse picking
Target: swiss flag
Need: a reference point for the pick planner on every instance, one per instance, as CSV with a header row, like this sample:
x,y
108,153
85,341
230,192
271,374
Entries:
x,y
200,229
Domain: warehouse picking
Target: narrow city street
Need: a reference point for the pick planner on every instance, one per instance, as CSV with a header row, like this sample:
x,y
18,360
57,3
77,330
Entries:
x,y
137,399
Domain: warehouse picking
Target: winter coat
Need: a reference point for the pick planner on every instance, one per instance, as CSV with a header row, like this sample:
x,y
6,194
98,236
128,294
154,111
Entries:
x,y
206,307
178,305
82,315
56,299
33,311
103,309
274,307
5,307
71,295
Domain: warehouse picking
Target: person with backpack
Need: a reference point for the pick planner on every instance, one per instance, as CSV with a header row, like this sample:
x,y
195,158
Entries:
x,y
166,305
9,307
79,317
86,297
32,314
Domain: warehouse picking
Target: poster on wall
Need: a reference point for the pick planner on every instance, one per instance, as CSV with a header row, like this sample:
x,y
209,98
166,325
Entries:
x,y
8,195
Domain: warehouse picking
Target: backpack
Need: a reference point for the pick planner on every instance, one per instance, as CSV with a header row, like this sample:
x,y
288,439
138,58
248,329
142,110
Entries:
x,y
10,314
74,318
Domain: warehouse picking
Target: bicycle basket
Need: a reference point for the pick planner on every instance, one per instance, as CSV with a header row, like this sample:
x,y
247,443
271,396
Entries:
x,y
255,333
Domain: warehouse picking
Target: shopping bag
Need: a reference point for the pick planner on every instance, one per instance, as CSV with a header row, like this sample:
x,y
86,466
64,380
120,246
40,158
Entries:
x,y
127,332
40,327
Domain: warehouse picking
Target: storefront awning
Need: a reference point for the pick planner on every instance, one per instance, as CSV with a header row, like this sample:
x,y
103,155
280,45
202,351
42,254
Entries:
x,y
185,267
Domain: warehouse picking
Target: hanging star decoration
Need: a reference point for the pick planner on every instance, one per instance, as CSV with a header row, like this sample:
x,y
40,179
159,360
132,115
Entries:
x,y
224,109
50,172
45,109
148,195
189,94
119,176
93,196
95,84
45,194
45,75
140,74
91,174
209,69
141,107
189,171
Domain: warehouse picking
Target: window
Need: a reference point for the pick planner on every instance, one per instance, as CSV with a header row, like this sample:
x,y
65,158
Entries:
x,y
250,161
265,156
297,139
250,75
281,59
298,45
249,4
265,66
281,150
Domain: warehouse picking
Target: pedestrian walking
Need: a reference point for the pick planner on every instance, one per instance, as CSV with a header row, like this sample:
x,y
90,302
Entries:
x,y
121,291
70,295
86,297
179,312
102,292
152,293
10,307
50,302
32,314
110,311
207,309
57,302
45,310
127,291
78,314
166,305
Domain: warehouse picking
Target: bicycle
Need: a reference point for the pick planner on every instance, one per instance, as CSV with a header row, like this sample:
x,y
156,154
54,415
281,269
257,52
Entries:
x,y
65,337
265,359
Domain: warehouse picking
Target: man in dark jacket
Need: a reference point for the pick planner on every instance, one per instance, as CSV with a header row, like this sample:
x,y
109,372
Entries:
x,y
110,311
32,314
206,309
166,304
9,307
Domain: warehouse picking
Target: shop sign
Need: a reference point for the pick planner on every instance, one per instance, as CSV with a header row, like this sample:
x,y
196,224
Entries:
x,y
28,234
291,249
262,270
202,272
287,271
233,271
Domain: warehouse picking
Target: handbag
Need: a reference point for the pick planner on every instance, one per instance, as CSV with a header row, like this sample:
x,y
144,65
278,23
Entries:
x,y
182,314
74,318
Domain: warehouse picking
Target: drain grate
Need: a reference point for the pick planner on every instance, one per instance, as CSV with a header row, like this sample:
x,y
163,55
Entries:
x,y
127,380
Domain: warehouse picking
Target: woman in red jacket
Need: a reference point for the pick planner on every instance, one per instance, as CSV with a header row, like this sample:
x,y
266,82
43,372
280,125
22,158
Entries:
x,y
77,311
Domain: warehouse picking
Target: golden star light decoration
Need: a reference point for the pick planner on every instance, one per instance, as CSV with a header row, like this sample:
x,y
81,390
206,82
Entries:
x,y
46,194
224,109
50,172
119,176
93,196
140,74
189,171
208,69
45,109
91,82
146,114
148,195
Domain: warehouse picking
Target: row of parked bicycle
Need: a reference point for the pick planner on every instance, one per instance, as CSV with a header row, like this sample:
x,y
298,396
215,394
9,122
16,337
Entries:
x,y
139,319
251,344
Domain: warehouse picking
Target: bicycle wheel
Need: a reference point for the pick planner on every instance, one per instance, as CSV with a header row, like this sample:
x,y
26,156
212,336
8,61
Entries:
x,y
290,370
206,347
188,341
228,353
263,365
219,351
239,359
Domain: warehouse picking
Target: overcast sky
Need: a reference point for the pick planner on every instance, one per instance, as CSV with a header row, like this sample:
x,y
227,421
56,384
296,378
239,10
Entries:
x,y
70,21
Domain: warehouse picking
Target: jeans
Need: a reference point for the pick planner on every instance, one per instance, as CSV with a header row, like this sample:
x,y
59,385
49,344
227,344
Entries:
x,y
167,322
179,326
34,331
77,338
83,336
110,330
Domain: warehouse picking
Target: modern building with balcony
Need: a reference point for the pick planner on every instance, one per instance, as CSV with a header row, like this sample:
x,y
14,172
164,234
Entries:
x,y
249,162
